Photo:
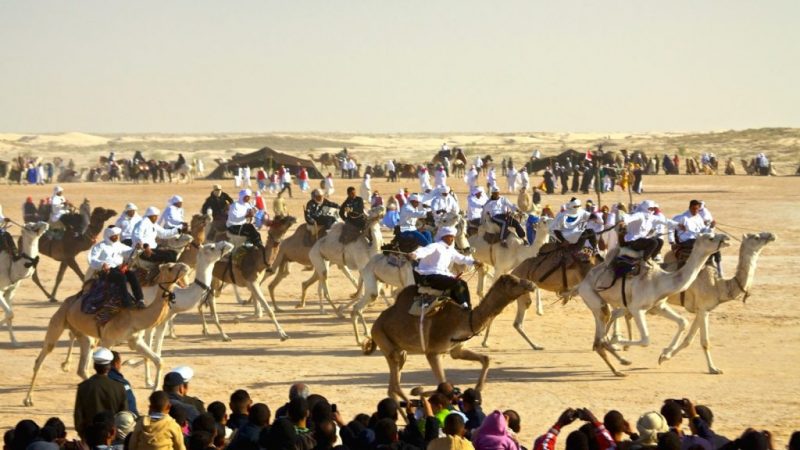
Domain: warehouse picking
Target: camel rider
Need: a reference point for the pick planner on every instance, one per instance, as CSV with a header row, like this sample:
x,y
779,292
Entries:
x,y
240,218
570,225
6,240
690,226
500,209
172,217
145,233
107,258
217,202
181,161
640,230
409,213
352,210
127,222
434,266
315,209
138,158
475,203
444,202
708,219
58,207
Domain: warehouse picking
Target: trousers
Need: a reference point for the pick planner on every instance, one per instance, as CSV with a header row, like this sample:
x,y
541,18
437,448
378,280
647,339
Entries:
x,y
458,289
119,279
650,246
249,231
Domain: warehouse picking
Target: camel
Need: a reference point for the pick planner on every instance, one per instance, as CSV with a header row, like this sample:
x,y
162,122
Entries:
x,y
325,160
707,292
13,271
352,256
126,325
66,249
730,167
187,298
197,229
382,270
246,272
640,294
397,333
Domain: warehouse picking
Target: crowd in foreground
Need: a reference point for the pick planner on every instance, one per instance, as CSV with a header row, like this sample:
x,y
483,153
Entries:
x,y
106,418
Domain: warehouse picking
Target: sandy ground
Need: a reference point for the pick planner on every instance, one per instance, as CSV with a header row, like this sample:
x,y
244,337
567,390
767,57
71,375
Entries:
x,y
757,344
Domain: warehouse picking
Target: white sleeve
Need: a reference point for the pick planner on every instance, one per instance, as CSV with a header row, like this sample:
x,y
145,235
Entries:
x,y
94,254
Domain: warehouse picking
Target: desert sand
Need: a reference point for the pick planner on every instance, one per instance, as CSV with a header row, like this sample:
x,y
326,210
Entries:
x,y
757,343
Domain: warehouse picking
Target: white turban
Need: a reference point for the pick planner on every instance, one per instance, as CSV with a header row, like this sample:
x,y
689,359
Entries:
x,y
131,207
175,199
445,231
111,231
152,211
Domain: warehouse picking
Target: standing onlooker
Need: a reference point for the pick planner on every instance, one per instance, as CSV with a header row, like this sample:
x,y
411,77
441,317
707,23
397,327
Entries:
x,y
98,393
327,186
261,179
286,180
302,179
116,375
391,171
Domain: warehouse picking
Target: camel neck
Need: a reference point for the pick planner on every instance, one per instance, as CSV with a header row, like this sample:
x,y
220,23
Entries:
x,y
490,306
670,282
745,273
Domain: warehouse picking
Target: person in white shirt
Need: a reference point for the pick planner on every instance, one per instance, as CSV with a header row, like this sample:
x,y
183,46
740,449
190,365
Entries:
x,y
439,177
570,225
391,171
246,176
471,178
365,190
475,204
691,224
145,233
641,226
511,176
328,186
478,164
708,219
126,222
172,217
424,179
107,258
443,202
286,180
409,213
58,207
445,148
522,178
499,209
434,266
491,179
240,218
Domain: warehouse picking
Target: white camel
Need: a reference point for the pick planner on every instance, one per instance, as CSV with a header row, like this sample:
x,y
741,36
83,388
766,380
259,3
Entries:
x,y
348,257
12,271
640,294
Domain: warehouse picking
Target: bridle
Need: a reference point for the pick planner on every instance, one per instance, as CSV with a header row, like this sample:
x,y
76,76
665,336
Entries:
x,y
166,292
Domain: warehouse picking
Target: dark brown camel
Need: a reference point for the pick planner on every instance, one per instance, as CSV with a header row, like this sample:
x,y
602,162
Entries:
x,y
65,250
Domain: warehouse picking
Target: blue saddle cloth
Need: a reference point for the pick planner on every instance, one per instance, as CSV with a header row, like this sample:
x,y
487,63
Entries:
x,y
104,299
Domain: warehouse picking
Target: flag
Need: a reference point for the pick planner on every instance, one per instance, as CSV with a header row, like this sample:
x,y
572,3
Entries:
x,y
588,155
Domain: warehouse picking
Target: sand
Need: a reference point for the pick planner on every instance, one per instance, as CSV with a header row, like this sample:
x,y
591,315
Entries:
x,y
757,343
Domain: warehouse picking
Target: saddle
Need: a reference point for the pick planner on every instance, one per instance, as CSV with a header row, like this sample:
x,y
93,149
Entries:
x,y
623,263
103,299
350,233
430,300
400,243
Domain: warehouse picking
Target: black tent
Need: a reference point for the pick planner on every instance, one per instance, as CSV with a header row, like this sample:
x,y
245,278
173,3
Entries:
x,y
575,156
267,158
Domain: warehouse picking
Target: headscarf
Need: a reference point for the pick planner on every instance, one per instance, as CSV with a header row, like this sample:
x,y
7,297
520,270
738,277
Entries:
x,y
245,193
175,199
445,231
111,231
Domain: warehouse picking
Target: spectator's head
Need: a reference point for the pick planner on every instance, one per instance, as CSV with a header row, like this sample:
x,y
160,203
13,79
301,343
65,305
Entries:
x,y
589,431
325,434
513,420
648,427
200,440
471,399
794,441
446,389
454,425
669,441
673,413
387,409
259,415
173,383
363,420
705,413
218,412
159,402
102,358
614,422
8,438
385,432
298,411
99,433
240,401
321,411
438,402
298,390
753,440
179,414
281,436
351,192
58,426
577,441
186,373
116,362
124,421
313,399
205,422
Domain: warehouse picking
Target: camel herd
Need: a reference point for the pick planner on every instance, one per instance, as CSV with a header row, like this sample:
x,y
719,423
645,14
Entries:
x,y
520,271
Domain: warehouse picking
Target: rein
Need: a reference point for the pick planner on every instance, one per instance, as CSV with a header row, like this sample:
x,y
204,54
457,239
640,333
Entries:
x,y
167,293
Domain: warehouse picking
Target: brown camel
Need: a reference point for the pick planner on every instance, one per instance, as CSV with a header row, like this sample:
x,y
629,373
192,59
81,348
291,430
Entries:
x,y
66,249
126,325
396,332
246,271
325,160
197,229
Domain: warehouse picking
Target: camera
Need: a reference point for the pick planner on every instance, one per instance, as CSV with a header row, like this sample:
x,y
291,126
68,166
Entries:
x,y
414,403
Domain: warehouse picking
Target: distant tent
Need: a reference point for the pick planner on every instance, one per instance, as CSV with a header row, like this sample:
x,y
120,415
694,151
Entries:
x,y
267,158
540,164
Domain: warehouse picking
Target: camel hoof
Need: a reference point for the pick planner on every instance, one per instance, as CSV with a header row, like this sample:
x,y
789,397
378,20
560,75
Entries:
x,y
715,371
53,300
236,320
537,347
663,357
284,337
619,374
149,385
65,367
625,362
300,306
226,338
278,310
354,295
485,344
205,332
27,402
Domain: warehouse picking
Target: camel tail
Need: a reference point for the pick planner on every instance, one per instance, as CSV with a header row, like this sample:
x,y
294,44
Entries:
x,y
368,346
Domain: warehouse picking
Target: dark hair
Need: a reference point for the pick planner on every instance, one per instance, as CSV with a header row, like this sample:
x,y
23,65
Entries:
x,y
794,441
8,437
325,433
445,388
361,419
513,419
239,399
351,189
753,440
281,436
454,425
199,440
321,411
614,422
577,441
179,414
589,431
385,431
102,368
158,401
387,409
47,434
217,411
58,425
98,433
24,433
705,413
298,409
204,422
259,415
438,399
471,396
116,358
673,412
694,202
314,400
669,441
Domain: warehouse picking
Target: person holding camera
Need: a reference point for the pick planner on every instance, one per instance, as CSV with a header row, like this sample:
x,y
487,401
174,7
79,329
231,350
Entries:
x,y
674,411
576,439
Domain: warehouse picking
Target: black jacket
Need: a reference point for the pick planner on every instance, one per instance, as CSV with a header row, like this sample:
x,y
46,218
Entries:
x,y
217,205
314,209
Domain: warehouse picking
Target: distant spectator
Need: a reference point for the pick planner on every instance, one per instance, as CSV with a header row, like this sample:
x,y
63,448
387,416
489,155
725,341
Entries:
x,y
240,404
247,436
157,430
454,430
471,406
716,440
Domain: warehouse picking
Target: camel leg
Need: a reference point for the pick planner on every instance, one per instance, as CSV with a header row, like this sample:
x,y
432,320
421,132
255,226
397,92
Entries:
x,y
46,349
706,342
595,304
305,285
459,352
435,360
283,272
485,342
481,276
358,314
523,303
666,311
38,283
641,323
259,296
62,268
171,323
85,344
539,303
395,361
138,344
75,268
694,328
5,304
65,366
212,305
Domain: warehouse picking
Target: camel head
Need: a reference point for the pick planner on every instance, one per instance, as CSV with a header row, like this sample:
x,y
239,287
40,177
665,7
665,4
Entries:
x,y
34,230
279,226
376,213
461,242
754,242
449,219
211,253
707,243
200,222
170,273
100,215
176,242
508,288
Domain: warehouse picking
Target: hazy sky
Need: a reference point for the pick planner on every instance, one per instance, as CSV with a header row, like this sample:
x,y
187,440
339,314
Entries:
x,y
381,66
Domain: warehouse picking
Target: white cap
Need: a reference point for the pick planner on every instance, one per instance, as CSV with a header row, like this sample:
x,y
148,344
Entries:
x,y
414,198
111,231
102,356
175,199
131,207
445,231
152,211
185,372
